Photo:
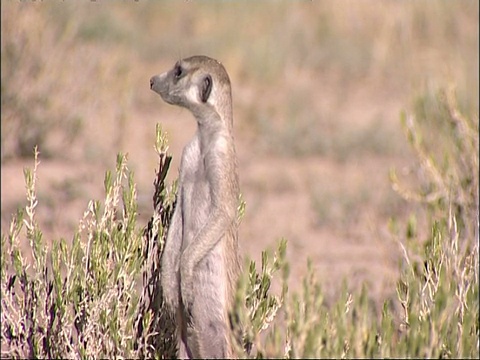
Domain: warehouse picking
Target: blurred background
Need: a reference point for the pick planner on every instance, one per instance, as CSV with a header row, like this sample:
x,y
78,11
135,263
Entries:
x,y
318,89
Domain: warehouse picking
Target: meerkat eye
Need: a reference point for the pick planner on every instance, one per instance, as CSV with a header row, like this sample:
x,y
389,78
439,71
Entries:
x,y
178,71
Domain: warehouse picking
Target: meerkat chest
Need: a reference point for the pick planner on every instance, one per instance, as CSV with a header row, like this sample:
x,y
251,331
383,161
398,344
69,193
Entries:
x,y
195,188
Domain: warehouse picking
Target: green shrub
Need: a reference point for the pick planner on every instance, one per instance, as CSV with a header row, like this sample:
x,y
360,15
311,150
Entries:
x,y
437,293
81,299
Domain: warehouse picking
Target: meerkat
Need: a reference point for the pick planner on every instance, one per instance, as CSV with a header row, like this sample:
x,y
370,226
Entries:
x,y
200,263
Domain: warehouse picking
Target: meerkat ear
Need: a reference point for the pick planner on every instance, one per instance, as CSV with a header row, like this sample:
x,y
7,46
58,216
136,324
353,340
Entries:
x,y
206,88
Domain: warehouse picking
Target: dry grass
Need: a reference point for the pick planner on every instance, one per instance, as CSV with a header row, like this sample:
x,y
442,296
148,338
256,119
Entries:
x,y
318,88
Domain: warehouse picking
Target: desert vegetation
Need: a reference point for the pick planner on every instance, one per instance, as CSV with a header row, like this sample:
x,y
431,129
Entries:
x,y
362,123
80,300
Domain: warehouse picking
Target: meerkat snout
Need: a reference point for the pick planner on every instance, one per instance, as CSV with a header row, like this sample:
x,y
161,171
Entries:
x,y
162,85
156,83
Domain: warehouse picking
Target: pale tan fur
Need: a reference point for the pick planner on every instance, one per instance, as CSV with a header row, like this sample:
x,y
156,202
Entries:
x,y
200,263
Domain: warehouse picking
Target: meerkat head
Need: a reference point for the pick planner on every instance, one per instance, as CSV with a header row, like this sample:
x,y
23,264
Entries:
x,y
198,83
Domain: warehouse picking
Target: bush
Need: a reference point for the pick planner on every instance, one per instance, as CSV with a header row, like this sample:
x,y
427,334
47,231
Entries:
x,y
82,299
